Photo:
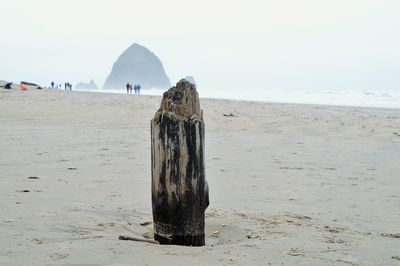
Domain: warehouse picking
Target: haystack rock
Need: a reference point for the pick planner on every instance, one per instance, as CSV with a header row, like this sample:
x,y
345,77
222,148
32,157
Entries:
x,y
137,64
86,86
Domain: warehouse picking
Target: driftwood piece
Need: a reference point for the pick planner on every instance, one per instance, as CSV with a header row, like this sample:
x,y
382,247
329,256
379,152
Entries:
x,y
138,239
179,187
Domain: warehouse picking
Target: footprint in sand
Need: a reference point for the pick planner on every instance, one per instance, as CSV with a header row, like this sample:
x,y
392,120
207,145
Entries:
x,y
397,235
57,256
215,213
332,240
38,241
291,168
148,235
333,229
295,252
252,235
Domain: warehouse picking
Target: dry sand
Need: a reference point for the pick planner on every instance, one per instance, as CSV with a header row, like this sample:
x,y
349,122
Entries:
x,y
289,184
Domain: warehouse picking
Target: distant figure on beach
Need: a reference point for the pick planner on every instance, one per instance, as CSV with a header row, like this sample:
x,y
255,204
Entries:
x,y
137,89
127,87
67,86
52,85
130,88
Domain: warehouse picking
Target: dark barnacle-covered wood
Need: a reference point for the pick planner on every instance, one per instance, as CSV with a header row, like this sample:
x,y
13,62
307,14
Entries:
x,y
179,187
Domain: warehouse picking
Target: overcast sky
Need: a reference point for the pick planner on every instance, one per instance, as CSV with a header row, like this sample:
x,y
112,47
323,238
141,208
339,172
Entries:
x,y
288,44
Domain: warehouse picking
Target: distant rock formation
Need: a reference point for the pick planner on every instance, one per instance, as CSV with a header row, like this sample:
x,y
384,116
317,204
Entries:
x,y
191,80
135,65
86,86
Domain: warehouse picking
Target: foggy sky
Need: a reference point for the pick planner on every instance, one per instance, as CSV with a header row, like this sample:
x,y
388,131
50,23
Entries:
x,y
288,44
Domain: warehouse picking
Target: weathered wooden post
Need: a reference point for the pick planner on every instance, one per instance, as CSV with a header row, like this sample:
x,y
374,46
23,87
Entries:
x,y
179,187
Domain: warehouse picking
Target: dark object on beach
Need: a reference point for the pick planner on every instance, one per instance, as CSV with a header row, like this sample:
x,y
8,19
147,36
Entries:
x,y
230,115
25,84
33,177
145,223
8,86
179,188
138,239
29,83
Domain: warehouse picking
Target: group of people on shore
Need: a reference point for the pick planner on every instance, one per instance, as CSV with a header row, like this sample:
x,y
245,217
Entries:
x,y
67,86
135,87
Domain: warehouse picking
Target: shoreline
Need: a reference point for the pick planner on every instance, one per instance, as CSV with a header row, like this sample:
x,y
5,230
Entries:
x,y
255,101
156,92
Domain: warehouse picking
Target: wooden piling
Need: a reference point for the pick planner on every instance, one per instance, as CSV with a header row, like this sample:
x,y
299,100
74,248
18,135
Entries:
x,y
179,187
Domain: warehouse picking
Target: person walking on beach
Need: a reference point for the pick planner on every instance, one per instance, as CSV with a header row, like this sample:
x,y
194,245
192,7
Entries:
x,y
138,89
135,88
52,85
127,87
130,88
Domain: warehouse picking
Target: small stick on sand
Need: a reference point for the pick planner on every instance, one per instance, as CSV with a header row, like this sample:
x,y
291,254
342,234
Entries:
x,y
139,239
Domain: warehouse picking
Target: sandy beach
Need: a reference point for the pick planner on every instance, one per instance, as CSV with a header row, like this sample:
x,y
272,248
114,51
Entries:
x,y
289,184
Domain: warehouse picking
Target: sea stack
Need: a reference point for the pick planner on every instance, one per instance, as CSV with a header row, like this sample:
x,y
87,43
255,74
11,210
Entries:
x,y
86,86
137,65
179,188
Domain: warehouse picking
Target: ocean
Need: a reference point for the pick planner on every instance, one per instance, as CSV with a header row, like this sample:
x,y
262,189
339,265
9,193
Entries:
x,y
340,97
